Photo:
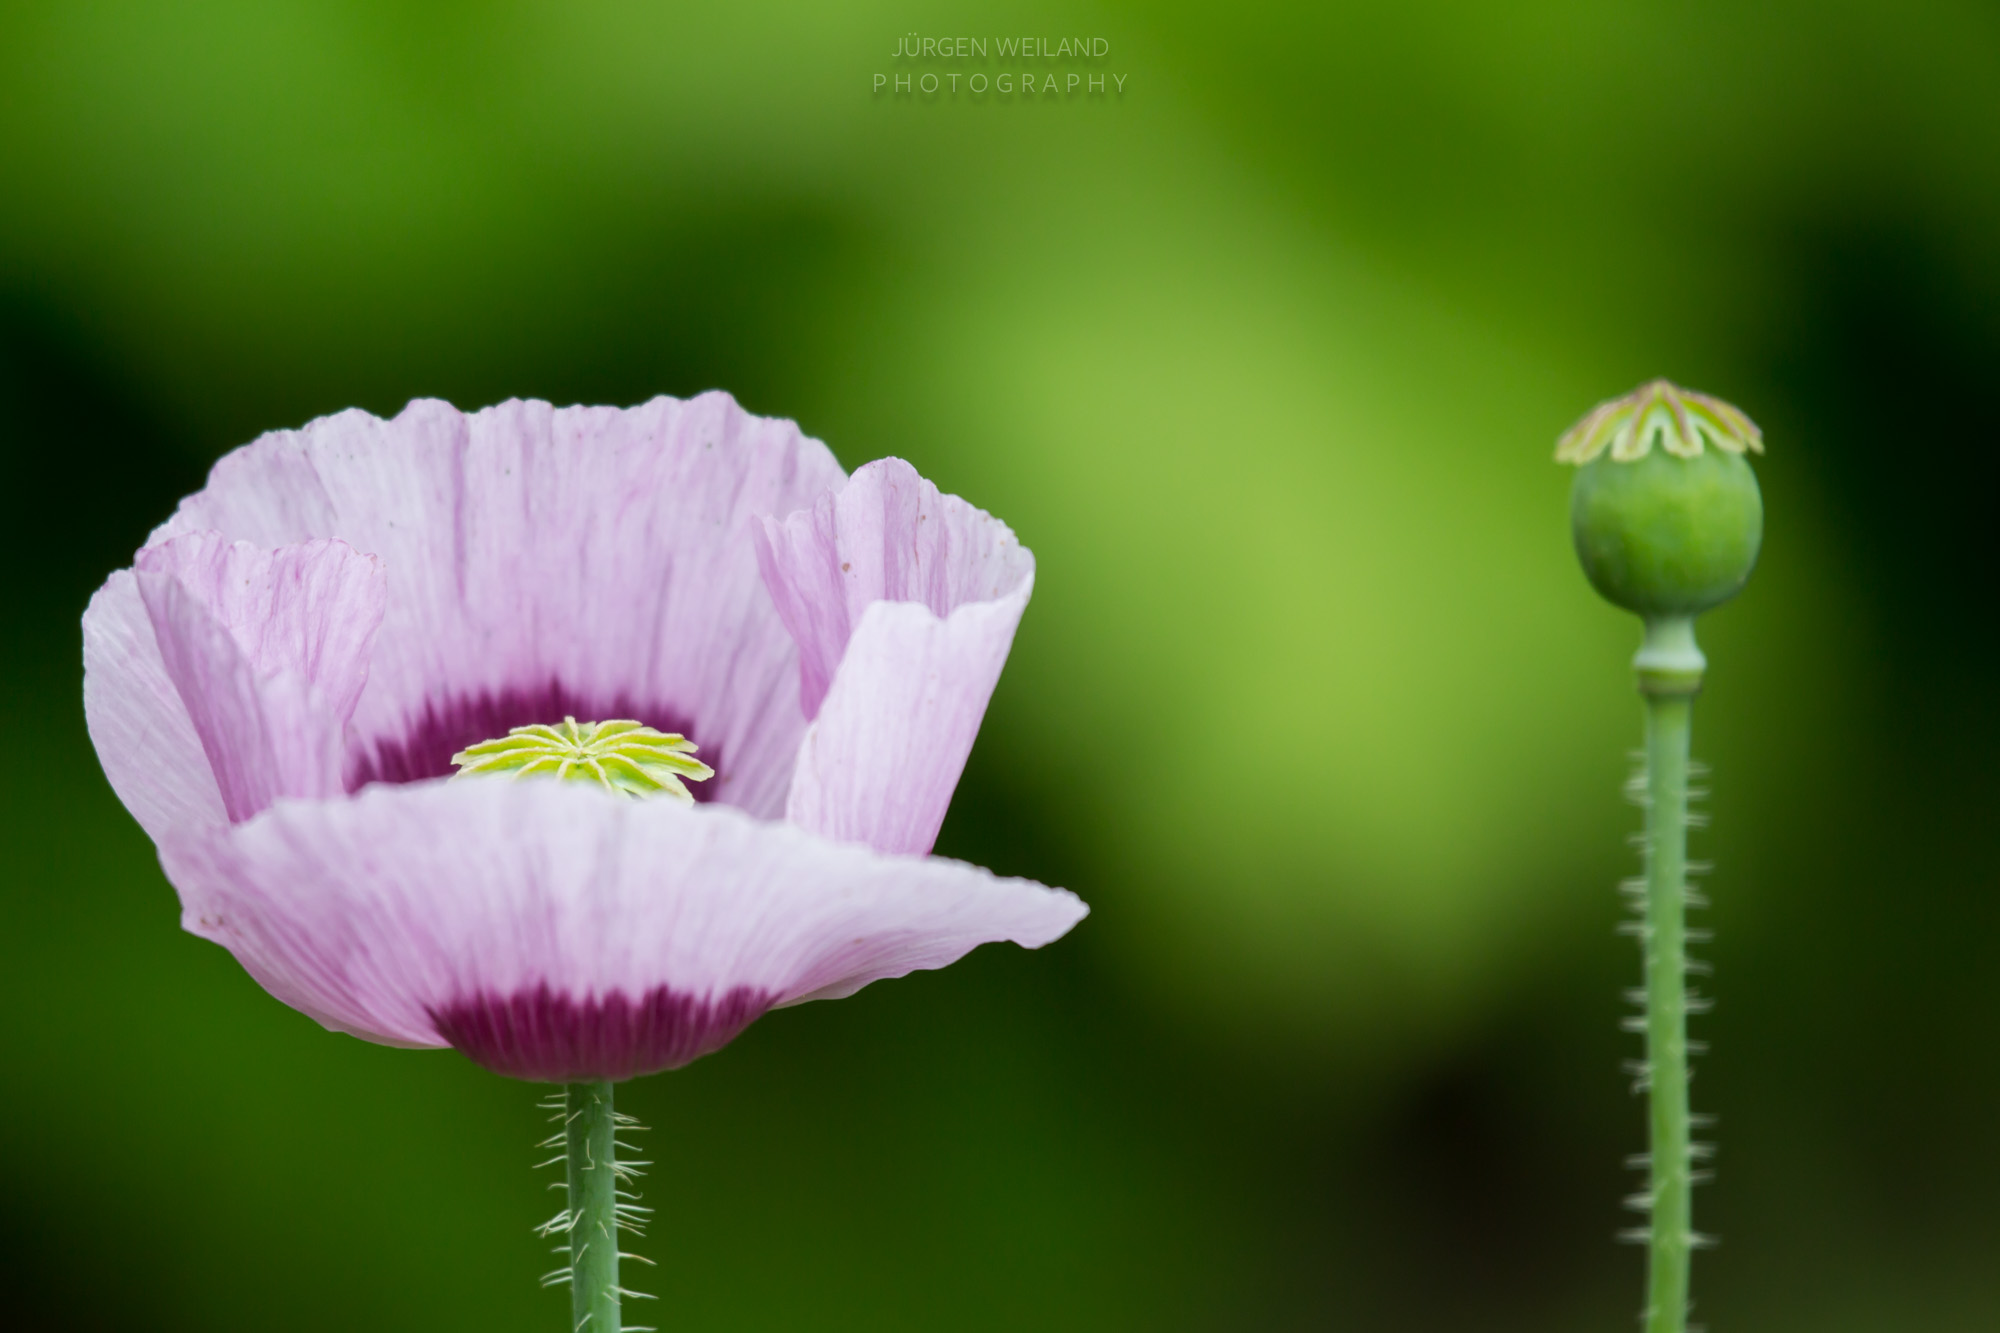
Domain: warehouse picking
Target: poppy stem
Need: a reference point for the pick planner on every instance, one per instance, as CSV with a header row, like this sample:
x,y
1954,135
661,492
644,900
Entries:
x,y
1666,534
1664,935
592,1147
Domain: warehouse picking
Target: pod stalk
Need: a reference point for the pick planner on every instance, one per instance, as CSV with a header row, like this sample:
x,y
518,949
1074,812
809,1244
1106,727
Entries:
x,y
1670,1236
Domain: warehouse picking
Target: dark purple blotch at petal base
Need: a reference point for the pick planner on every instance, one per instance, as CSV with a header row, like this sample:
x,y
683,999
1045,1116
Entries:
x,y
547,1037
450,725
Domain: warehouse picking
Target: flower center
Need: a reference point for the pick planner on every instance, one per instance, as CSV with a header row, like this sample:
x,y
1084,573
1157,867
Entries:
x,y
620,756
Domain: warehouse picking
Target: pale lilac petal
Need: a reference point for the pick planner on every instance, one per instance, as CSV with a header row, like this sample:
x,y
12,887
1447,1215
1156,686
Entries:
x,y
269,652
904,603
312,609
141,729
881,761
541,561
887,535
557,932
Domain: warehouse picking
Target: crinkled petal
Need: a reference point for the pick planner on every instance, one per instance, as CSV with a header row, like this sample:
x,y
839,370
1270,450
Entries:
x,y
582,559
311,608
904,603
142,732
556,932
268,650
881,761
887,535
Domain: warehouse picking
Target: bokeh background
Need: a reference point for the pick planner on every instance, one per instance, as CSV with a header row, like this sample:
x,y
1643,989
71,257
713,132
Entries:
x,y
1264,357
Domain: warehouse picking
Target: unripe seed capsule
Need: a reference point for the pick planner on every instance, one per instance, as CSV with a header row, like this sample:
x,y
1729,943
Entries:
x,y
1664,535
1665,510
1666,515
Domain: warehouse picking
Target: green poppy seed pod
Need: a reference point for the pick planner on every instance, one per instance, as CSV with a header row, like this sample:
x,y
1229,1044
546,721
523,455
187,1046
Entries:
x,y
1665,513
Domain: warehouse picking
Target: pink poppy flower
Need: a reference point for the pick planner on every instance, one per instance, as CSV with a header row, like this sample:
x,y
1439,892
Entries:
x,y
278,686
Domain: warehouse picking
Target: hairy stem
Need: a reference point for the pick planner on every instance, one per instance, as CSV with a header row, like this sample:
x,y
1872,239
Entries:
x,y
592,1147
1670,1236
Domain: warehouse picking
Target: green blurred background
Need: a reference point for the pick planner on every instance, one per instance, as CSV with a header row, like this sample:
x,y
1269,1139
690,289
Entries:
x,y
1264,357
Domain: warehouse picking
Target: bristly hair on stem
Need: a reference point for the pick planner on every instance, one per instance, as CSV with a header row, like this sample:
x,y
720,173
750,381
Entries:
x,y
1658,902
597,1209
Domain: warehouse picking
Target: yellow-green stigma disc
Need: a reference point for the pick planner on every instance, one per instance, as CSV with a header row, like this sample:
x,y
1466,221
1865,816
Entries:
x,y
620,756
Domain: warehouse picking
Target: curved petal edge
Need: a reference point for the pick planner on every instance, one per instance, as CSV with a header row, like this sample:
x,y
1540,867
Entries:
x,y
904,603
269,651
138,725
551,931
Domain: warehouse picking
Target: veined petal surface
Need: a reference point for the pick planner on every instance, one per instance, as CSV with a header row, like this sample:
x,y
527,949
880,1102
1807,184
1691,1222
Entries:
x,y
904,602
143,733
268,650
881,761
544,560
558,932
